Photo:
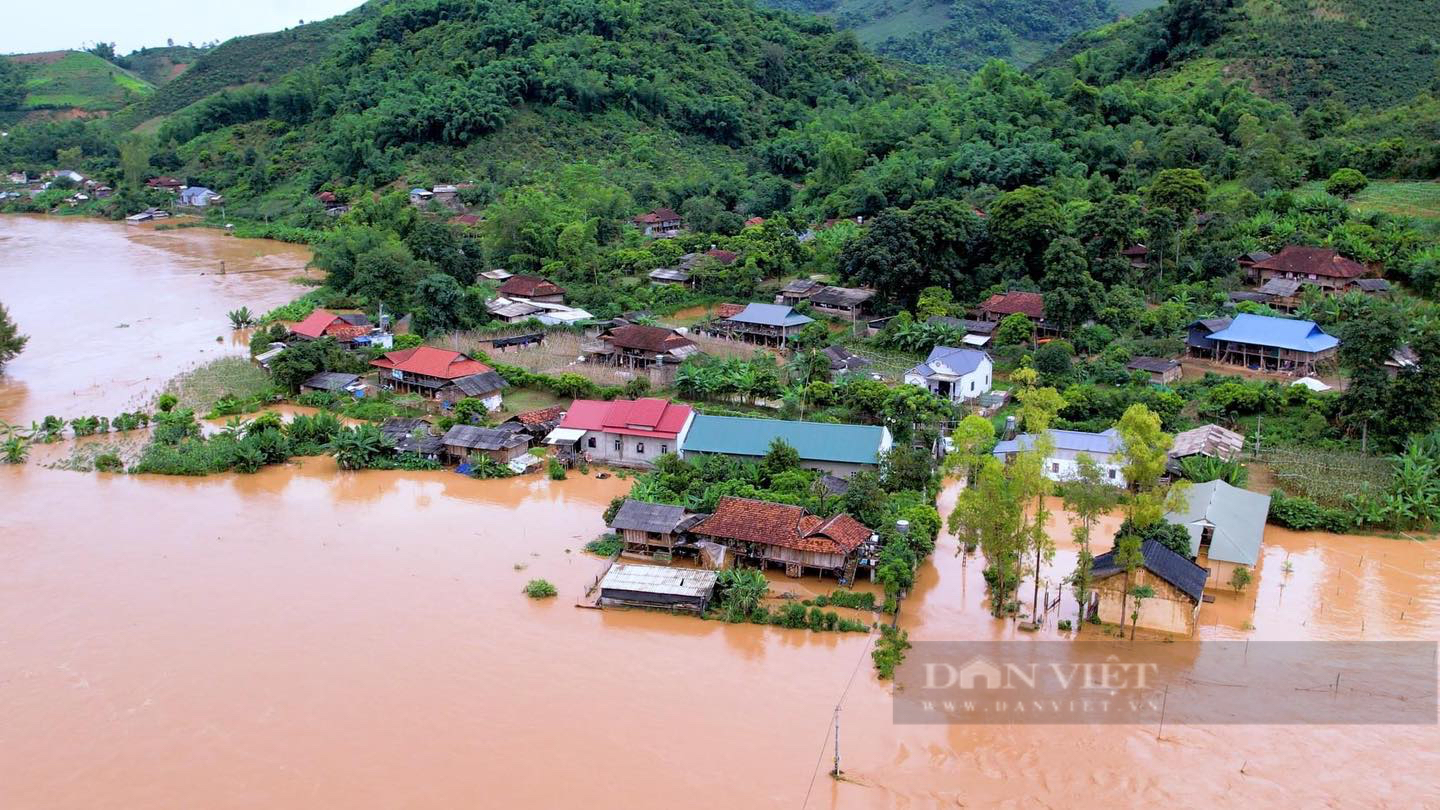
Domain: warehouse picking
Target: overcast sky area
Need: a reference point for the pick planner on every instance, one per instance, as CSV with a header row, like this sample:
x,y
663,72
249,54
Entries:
x,y
27,26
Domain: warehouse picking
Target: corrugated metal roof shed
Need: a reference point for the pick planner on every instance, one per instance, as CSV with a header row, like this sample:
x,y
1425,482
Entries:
x,y
814,441
1280,333
660,579
1238,516
770,315
647,517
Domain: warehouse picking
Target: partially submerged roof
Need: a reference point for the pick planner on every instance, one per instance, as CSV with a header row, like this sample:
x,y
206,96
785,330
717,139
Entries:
x,y
1237,515
331,381
483,438
784,525
660,579
770,315
1208,440
948,361
1185,575
814,441
1308,261
640,516
1279,333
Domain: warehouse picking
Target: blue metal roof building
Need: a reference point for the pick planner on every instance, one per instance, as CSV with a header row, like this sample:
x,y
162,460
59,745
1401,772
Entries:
x,y
1264,343
771,315
841,449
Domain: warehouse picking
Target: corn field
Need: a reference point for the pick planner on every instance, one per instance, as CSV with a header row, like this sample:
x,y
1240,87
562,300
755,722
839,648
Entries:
x,y
1327,476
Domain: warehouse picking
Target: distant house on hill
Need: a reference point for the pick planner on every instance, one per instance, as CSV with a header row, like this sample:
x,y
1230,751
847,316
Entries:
x,y
199,197
838,449
440,374
533,289
766,324
1322,267
163,183
1002,305
420,196
842,360
1137,255
639,345
849,303
953,374
659,222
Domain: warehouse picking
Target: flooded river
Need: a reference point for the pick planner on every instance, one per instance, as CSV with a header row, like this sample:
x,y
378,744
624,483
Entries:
x,y
309,638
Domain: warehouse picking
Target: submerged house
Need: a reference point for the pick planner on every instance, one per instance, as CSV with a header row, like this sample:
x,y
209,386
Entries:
x,y
440,374
413,436
650,527
1179,586
765,533
658,586
837,449
1226,526
333,382
766,324
623,432
463,442
322,323
1263,343
1066,447
953,374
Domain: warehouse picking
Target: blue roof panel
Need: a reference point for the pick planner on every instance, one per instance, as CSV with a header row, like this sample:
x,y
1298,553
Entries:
x,y
814,441
1279,333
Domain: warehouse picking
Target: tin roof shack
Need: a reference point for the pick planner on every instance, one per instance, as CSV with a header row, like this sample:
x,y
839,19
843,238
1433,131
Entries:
x,y
1179,589
342,328
657,586
837,449
638,346
533,289
1161,370
1263,343
766,324
503,446
540,422
1323,267
844,361
797,290
1207,440
1067,445
765,533
849,303
648,527
1197,336
332,382
1247,262
1226,526
437,374
977,333
622,433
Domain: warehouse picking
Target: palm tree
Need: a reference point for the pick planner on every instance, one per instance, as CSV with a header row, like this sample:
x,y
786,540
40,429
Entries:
x,y
241,318
356,448
236,427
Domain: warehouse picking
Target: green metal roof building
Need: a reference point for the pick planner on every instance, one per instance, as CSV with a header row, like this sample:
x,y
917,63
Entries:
x,y
1226,523
837,449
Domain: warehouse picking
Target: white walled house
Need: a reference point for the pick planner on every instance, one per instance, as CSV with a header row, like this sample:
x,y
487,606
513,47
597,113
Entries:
x,y
1061,464
953,374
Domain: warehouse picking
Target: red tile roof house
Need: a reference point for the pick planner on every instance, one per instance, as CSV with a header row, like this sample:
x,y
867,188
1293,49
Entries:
x,y
659,222
169,184
323,323
1322,267
622,433
1001,305
440,374
637,345
533,288
764,532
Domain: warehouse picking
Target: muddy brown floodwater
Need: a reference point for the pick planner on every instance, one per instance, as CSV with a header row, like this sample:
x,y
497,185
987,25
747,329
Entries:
x,y
308,638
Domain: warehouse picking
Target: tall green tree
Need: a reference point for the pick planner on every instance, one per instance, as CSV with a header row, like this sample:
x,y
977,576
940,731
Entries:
x,y
1072,296
11,341
1022,225
1087,495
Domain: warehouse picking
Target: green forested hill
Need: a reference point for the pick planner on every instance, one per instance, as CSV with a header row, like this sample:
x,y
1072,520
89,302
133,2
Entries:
x,y
1305,52
160,66
68,80
965,33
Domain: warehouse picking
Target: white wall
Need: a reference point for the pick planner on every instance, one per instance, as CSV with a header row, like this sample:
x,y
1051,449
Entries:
x,y
968,386
634,450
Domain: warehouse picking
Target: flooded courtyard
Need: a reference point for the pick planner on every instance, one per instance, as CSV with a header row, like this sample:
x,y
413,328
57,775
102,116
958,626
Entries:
x,y
305,637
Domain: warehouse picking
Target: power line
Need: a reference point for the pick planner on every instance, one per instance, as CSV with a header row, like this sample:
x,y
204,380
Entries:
x,y
829,727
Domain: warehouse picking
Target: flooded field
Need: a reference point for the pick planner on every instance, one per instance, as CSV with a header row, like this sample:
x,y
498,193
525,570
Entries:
x,y
309,638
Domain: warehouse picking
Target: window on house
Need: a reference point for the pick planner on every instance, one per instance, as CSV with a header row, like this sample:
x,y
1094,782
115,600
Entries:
x,y
591,441
1112,475
664,448
1055,467
619,445
640,447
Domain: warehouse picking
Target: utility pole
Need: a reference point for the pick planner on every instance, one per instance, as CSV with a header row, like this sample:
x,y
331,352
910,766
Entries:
x,y
1258,417
836,772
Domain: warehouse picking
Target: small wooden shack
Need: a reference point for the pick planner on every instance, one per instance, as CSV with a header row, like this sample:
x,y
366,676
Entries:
x,y
1161,370
648,527
464,441
1179,586
787,535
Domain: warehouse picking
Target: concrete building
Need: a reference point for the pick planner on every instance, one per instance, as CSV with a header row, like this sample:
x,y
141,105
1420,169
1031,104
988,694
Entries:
x,y
954,374
1067,446
624,433
840,450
